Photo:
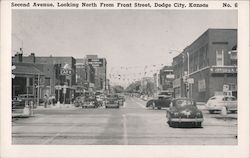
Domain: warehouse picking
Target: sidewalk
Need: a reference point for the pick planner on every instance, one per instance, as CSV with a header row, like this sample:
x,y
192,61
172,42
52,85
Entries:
x,y
19,113
57,106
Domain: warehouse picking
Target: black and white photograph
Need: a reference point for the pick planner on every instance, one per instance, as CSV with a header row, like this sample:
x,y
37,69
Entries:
x,y
124,77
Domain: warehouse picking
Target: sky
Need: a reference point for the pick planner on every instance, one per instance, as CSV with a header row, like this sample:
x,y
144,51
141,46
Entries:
x,y
126,38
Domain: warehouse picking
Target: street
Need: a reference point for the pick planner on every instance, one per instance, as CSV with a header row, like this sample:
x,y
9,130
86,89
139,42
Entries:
x,y
131,124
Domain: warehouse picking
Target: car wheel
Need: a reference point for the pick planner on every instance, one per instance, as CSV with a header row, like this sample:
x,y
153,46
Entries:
x,y
159,108
198,124
106,107
153,105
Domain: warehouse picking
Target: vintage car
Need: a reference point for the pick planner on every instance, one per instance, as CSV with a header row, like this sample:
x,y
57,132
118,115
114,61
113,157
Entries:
x,y
216,103
162,101
18,103
112,101
121,99
79,101
90,102
183,111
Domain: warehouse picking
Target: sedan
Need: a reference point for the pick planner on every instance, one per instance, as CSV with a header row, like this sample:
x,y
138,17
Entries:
x,y
216,103
184,111
112,102
162,101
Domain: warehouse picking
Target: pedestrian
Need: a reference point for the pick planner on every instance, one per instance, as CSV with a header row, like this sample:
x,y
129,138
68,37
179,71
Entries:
x,y
45,100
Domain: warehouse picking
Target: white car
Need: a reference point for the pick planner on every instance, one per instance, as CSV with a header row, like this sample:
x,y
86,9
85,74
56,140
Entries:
x,y
216,103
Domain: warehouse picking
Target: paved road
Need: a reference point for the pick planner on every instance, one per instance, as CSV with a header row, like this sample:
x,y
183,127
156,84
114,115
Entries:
x,y
132,124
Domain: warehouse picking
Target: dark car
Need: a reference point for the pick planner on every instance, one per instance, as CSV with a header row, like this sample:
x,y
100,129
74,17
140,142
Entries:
x,y
184,111
112,101
163,101
79,101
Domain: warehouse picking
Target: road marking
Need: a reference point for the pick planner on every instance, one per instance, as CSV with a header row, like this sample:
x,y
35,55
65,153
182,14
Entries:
x,y
125,134
141,105
58,134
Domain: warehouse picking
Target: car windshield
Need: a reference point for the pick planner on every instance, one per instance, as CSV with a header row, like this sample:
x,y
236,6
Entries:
x,y
183,103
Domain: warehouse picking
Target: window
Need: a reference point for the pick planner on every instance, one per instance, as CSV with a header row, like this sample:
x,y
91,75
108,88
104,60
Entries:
x,y
219,57
47,81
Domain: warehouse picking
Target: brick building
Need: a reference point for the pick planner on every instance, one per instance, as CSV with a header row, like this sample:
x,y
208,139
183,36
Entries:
x,y
85,76
56,70
208,65
100,66
166,77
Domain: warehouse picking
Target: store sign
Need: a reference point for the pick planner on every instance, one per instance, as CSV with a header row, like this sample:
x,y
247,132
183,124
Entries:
x,y
95,62
223,70
170,76
65,71
202,85
58,87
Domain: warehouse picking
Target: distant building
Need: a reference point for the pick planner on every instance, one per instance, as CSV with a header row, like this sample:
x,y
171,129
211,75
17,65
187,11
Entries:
x,y
166,77
100,66
85,75
208,66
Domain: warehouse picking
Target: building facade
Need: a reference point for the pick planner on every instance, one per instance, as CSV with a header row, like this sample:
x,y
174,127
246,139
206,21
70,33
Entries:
x,y
166,77
208,66
85,76
57,71
100,66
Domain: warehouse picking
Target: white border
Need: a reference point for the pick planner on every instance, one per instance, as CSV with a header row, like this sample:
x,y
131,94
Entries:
x,y
240,150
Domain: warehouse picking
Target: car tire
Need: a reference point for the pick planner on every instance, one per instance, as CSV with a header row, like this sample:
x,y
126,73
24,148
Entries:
x,y
159,108
153,105
198,124
106,107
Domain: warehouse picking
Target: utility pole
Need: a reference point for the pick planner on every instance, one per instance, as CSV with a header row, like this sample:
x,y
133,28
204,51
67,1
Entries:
x,y
38,90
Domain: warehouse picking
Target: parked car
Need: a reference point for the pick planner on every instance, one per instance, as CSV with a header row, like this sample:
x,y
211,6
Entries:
x,y
79,101
90,102
121,99
112,101
184,111
18,103
216,103
162,101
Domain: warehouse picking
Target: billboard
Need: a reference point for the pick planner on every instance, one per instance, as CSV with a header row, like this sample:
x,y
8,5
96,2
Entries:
x,y
96,62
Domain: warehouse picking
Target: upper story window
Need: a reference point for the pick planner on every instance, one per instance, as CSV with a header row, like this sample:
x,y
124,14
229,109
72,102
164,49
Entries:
x,y
220,57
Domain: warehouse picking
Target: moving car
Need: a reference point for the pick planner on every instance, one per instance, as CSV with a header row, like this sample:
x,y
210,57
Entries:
x,y
112,101
162,101
184,111
79,101
216,103
121,99
90,102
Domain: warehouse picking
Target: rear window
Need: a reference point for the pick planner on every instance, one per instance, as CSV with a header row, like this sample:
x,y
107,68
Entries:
x,y
183,103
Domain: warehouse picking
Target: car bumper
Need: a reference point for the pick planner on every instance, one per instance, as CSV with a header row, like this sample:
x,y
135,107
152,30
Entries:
x,y
186,119
111,105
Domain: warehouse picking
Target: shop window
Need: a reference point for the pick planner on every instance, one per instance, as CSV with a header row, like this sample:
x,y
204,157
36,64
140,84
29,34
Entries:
x,y
219,57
